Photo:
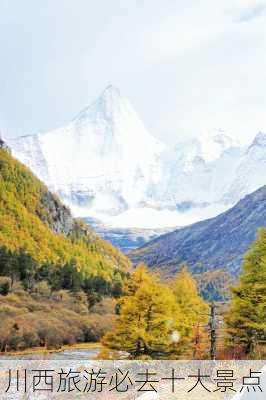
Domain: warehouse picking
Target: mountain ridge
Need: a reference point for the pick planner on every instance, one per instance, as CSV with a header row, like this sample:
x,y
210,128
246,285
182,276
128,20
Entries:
x,y
34,220
218,242
122,175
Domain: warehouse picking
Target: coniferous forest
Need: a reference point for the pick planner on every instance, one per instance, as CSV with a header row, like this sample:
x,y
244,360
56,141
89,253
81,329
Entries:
x,y
61,284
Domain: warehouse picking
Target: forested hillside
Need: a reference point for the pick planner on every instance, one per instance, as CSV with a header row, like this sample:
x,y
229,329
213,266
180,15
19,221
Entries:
x,y
61,284
53,268
34,220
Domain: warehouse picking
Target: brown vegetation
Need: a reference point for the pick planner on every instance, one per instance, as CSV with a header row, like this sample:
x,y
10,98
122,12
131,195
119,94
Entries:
x,y
50,319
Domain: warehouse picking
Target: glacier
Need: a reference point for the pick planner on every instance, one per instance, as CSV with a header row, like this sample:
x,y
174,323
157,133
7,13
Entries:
x,y
105,164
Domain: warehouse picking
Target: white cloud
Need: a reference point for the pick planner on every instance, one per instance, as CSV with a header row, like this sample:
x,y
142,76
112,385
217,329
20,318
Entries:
x,y
153,219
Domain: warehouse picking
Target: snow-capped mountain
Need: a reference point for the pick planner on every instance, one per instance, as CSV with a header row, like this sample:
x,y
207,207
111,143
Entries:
x,y
104,160
195,170
250,174
106,165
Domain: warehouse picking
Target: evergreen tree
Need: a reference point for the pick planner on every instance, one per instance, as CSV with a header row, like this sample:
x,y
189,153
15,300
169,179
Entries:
x,y
148,317
32,235
246,319
27,267
193,308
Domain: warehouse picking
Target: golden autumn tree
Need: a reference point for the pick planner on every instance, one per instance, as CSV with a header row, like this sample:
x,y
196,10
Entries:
x,y
30,228
193,308
148,317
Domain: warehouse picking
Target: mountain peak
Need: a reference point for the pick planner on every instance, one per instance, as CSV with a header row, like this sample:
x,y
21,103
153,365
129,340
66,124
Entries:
x,y
104,105
221,137
259,140
215,142
112,91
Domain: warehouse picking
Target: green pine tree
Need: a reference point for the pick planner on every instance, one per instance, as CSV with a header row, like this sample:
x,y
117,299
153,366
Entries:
x,y
246,318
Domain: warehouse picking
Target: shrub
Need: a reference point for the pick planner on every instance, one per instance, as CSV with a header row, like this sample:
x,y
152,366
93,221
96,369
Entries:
x,y
42,289
18,289
5,285
96,326
106,306
30,338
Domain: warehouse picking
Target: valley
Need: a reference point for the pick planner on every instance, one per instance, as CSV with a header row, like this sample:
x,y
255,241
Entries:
x,y
125,239
56,273
189,213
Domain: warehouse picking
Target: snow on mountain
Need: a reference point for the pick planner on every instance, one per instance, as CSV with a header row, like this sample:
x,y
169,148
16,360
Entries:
x,y
195,172
105,164
250,174
104,160
214,144
126,239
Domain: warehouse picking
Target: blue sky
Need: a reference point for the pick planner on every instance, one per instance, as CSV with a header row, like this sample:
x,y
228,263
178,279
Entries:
x,y
187,66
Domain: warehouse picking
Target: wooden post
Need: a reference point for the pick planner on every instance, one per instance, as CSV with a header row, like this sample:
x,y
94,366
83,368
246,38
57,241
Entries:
x,y
213,332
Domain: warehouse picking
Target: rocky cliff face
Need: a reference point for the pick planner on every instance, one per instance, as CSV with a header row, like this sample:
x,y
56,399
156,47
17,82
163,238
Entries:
x,y
59,217
3,144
